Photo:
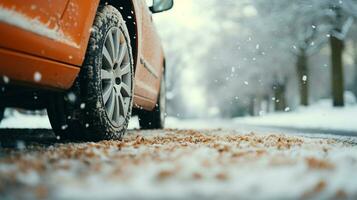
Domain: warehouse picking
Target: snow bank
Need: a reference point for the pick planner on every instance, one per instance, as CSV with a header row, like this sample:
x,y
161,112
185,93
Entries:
x,y
14,119
318,116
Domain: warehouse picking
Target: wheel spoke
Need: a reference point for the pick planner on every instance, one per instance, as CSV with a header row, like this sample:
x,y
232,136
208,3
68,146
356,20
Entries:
x,y
111,105
125,69
107,57
117,110
105,75
121,105
123,51
125,89
111,46
107,92
117,42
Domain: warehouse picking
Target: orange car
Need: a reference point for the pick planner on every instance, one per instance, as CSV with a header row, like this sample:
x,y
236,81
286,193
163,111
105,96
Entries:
x,y
87,61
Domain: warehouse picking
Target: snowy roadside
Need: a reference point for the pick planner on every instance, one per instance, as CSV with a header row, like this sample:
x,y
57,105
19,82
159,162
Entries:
x,y
183,164
14,119
318,116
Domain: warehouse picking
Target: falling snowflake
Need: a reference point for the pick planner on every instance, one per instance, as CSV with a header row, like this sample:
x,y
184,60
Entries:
x,y
304,78
83,105
37,76
5,79
64,127
71,97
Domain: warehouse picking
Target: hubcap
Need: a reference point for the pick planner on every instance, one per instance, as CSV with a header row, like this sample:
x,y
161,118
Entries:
x,y
116,76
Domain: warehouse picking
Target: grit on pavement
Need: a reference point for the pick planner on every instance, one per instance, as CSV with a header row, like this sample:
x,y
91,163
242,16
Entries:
x,y
179,164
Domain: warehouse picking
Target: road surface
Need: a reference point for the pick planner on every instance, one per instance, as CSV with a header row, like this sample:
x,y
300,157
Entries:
x,y
244,162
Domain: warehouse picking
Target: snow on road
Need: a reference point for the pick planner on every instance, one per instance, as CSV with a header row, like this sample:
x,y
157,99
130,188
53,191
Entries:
x,y
192,160
180,164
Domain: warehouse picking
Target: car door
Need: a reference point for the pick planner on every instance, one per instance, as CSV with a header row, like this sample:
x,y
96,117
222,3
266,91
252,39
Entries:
x,y
150,67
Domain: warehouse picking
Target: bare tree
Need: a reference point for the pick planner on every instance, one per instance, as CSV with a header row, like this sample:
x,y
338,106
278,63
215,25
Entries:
x,y
341,22
354,84
302,34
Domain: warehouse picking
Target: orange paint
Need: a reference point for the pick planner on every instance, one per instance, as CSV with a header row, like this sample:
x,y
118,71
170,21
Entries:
x,y
52,74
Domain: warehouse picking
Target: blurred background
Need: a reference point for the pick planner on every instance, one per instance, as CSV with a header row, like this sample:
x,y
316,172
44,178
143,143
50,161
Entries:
x,y
273,63
254,57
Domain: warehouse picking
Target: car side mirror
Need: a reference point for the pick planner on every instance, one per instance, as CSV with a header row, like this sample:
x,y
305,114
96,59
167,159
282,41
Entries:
x,y
161,5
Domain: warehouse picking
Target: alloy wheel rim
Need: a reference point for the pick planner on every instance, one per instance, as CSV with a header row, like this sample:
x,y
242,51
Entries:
x,y
116,76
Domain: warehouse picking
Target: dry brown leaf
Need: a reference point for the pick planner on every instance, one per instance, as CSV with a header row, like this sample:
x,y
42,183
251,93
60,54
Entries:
x,y
165,174
314,163
221,176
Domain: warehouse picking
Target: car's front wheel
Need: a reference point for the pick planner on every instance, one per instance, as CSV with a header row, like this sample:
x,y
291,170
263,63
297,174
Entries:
x,y
99,104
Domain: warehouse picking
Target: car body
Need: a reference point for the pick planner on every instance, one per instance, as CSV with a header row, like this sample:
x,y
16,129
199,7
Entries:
x,y
57,55
60,54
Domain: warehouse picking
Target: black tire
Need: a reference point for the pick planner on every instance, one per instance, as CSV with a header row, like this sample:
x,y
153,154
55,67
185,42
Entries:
x,y
81,114
2,110
155,119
